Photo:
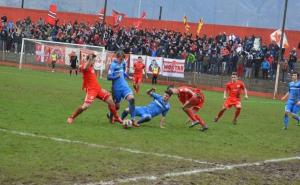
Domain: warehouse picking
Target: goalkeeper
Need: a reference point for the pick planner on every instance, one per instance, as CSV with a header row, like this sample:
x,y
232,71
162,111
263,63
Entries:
x,y
159,105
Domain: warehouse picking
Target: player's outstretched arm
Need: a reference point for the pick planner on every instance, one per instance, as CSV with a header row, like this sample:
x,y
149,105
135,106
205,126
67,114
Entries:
x,y
86,65
150,91
145,73
162,122
246,93
285,96
225,95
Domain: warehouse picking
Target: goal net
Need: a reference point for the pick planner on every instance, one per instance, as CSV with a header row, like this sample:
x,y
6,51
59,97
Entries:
x,y
41,53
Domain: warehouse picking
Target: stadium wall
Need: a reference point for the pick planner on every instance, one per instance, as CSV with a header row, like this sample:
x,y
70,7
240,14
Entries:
x,y
15,14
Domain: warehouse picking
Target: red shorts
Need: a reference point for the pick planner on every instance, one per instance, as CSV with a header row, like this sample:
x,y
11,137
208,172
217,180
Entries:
x,y
196,103
232,102
91,94
137,79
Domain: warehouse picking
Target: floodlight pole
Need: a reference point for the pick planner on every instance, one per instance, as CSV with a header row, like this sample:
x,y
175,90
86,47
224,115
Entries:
x,y
139,9
160,12
22,5
105,7
280,51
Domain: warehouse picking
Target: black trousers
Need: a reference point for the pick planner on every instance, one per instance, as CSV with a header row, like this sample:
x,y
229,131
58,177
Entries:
x,y
154,79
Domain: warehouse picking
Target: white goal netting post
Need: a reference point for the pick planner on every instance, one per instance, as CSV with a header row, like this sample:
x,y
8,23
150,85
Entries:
x,y
39,53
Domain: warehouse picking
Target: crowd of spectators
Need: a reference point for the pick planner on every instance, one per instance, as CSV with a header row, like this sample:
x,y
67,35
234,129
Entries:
x,y
220,54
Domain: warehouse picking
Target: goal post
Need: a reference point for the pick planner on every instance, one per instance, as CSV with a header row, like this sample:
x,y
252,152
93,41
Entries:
x,y
39,53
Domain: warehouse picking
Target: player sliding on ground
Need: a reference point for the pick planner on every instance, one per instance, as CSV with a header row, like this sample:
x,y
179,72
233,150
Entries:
x,y
139,68
159,105
192,100
292,106
232,94
120,89
93,90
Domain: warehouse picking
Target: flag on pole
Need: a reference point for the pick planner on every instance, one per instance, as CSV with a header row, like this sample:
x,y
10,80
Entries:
x,y
101,14
52,14
186,25
185,20
200,24
276,37
118,17
139,22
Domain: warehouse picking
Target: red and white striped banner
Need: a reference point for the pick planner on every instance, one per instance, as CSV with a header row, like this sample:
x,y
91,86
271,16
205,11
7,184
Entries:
x,y
52,14
101,14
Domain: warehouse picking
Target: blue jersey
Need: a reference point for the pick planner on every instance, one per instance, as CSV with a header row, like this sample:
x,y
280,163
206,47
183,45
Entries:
x,y
158,106
294,91
118,82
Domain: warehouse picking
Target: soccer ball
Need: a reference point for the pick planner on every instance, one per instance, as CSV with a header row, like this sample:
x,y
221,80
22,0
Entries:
x,y
127,123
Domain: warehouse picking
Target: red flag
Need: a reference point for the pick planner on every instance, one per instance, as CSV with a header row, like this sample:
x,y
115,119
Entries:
x,y
276,37
186,25
101,14
118,17
139,22
52,14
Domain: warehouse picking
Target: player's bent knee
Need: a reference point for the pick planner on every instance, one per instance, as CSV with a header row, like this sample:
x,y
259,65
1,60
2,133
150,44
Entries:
x,y
131,101
117,106
185,109
129,97
109,100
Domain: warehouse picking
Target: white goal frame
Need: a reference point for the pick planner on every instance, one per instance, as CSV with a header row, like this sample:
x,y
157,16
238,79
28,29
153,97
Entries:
x,y
101,48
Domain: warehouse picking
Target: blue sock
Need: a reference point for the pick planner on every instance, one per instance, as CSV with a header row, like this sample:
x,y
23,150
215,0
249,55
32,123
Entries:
x,y
124,114
286,121
132,109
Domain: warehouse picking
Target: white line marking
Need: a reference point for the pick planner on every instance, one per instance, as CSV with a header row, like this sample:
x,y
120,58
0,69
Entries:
x,y
196,171
108,147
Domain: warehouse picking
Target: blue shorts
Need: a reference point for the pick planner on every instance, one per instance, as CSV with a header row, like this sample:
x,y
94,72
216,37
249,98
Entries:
x,y
121,94
142,112
292,107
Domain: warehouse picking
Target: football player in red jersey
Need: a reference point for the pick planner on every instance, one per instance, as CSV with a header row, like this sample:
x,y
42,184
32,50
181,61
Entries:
x,y
192,100
139,68
93,90
232,93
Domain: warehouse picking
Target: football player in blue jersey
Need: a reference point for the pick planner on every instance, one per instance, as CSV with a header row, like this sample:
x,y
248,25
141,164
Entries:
x,y
159,105
292,106
120,88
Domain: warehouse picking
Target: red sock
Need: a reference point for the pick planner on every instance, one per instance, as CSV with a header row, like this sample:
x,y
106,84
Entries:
x,y
113,110
237,113
221,113
201,121
191,115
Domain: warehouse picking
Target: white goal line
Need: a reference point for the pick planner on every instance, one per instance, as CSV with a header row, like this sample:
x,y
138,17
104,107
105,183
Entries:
x,y
191,172
107,147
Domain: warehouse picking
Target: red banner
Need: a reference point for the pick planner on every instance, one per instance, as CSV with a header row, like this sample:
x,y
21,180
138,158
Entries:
x,y
118,17
52,14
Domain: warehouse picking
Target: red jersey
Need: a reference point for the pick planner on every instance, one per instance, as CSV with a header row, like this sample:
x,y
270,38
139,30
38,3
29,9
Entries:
x,y
138,68
186,93
234,89
90,79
